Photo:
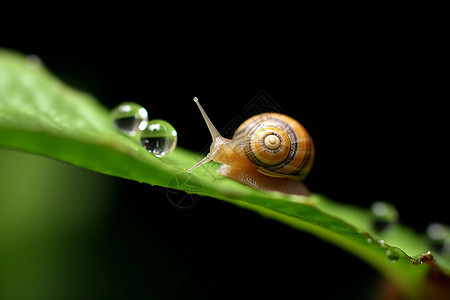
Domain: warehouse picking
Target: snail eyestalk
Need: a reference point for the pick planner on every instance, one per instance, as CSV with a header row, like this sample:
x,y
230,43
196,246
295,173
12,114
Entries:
x,y
217,139
206,159
212,129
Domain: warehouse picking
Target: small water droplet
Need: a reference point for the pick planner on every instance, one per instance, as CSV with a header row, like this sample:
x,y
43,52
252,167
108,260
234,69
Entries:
x,y
369,240
446,246
34,61
129,118
439,236
384,215
392,254
159,137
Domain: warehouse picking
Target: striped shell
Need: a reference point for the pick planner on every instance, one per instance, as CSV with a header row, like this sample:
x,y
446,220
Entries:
x,y
277,145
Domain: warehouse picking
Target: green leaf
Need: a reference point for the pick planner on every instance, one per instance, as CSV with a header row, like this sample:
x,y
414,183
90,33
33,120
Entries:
x,y
40,114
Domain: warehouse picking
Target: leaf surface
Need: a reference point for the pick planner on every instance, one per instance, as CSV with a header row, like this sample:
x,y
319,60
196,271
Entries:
x,y
40,114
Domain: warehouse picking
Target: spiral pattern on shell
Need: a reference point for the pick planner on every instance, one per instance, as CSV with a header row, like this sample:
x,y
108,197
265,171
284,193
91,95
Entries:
x,y
277,145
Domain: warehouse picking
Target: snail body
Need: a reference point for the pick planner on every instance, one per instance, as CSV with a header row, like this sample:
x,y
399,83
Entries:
x,y
269,151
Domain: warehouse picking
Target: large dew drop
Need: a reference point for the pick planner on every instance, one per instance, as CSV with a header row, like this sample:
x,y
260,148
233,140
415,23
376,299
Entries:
x,y
159,137
129,118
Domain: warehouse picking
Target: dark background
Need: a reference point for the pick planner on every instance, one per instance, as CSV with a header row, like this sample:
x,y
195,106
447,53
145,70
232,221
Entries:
x,y
372,100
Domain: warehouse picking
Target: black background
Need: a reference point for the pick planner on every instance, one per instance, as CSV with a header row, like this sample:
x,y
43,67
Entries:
x,y
371,98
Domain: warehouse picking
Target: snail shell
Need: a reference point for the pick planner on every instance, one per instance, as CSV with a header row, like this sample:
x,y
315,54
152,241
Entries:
x,y
269,151
277,145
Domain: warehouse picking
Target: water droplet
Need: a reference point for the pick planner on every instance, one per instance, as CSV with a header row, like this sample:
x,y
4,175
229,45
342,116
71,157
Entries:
x,y
439,236
34,61
436,231
446,246
129,118
392,254
384,215
369,240
159,137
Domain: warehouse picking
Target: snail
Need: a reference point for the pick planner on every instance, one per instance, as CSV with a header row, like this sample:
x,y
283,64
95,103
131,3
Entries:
x,y
269,151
